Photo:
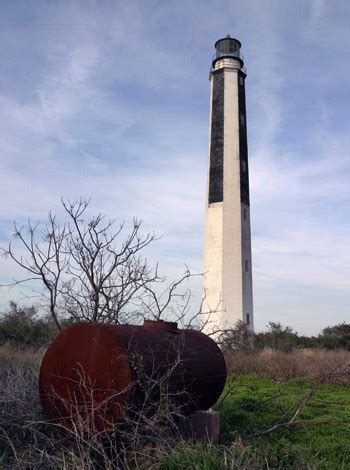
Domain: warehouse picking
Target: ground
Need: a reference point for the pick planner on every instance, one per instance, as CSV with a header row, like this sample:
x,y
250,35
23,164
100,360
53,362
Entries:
x,y
268,419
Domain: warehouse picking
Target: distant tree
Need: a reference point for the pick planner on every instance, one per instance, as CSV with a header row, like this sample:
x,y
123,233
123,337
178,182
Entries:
x,y
240,338
336,337
21,326
309,342
278,337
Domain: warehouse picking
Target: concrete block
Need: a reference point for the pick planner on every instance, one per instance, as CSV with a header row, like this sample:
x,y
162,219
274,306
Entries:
x,y
201,425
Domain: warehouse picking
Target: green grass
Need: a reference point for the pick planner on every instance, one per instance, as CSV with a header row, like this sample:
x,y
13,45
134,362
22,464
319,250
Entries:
x,y
252,405
206,456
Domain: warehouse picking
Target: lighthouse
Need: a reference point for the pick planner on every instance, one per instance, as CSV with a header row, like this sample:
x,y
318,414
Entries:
x,y
228,290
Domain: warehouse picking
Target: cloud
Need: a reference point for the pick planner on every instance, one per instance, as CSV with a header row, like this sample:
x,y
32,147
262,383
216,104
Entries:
x,y
317,11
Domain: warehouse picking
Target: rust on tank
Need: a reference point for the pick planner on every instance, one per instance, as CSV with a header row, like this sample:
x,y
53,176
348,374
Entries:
x,y
103,370
161,324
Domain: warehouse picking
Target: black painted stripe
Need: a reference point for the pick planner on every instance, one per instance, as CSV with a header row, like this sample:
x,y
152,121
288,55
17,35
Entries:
x,y
243,141
216,168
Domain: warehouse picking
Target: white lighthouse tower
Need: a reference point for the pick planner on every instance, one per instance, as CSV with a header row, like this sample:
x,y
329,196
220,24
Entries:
x,y
228,292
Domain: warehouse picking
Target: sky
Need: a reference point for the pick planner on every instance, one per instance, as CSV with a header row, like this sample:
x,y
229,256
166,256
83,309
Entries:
x,y
110,100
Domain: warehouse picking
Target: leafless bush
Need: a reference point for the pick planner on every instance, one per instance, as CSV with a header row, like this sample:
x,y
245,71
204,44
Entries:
x,y
333,366
89,269
85,270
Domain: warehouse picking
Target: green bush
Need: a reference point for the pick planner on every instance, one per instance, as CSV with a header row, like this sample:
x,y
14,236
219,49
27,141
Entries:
x,y
336,337
281,338
22,327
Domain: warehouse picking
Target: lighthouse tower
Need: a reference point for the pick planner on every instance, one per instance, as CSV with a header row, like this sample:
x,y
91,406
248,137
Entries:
x,y
228,292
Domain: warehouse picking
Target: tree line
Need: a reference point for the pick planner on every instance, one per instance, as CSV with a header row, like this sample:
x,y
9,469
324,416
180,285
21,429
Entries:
x,y
284,338
23,326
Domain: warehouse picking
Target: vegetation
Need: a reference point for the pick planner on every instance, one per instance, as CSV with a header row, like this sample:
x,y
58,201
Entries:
x,y
24,326
87,268
286,403
284,338
270,424
294,423
337,336
329,366
207,456
266,422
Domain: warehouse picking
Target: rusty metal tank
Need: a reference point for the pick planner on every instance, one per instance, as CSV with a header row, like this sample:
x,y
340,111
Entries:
x,y
108,370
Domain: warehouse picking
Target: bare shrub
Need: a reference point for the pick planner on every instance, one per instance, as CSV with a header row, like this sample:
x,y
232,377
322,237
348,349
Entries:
x,y
91,269
332,366
83,268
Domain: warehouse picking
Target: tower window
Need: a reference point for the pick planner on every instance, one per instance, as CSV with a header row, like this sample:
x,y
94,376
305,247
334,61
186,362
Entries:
x,y
245,214
241,81
244,165
247,318
242,119
246,265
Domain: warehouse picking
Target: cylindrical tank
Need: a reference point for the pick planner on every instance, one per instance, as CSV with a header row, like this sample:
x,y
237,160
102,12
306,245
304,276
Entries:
x,y
109,370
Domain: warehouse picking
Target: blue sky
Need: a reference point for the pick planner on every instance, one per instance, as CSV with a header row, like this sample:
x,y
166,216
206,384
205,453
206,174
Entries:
x,y
110,99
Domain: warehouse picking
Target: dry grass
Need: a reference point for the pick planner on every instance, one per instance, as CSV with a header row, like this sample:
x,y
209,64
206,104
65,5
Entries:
x,y
27,441
315,364
11,356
